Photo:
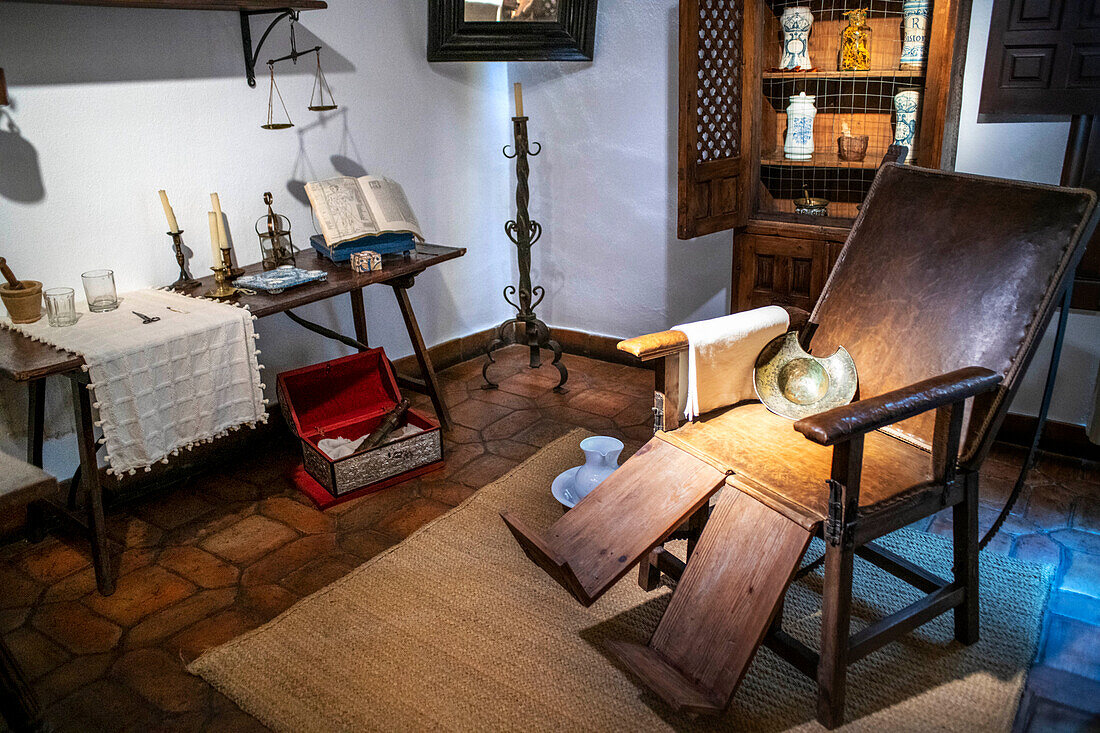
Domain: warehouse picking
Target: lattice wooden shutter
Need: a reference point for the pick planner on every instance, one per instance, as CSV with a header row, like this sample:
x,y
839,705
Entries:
x,y
715,127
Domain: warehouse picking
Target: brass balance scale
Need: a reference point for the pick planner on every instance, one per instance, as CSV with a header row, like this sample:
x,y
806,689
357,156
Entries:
x,y
317,102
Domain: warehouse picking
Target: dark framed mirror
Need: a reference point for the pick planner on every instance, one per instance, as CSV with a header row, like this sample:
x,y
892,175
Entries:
x,y
511,30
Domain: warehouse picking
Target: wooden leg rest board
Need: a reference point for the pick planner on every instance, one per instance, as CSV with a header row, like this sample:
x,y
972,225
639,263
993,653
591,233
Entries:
x,y
730,592
635,509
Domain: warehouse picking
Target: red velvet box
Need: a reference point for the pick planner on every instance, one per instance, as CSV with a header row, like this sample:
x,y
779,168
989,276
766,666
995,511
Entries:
x,y
347,398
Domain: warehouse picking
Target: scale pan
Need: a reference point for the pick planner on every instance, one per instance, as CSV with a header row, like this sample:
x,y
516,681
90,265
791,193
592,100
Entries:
x,y
277,125
321,107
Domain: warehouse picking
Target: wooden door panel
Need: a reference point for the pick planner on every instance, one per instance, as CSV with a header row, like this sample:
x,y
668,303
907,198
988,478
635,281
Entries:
x,y
779,271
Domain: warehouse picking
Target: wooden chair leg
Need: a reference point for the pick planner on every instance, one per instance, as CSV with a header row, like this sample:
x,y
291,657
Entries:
x,y
836,614
965,530
19,705
649,575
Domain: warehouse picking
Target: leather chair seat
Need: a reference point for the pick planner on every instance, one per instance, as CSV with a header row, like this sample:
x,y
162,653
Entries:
x,y
781,468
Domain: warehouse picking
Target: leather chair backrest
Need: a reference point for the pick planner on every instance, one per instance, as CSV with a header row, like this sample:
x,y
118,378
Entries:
x,y
943,271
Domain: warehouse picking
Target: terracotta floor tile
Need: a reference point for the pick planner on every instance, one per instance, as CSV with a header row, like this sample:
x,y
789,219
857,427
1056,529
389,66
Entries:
x,y
161,679
1082,574
501,397
198,566
249,539
1037,548
1077,540
174,509
411,517
510,424
288,558
267,601
104,705
71,676
72,588
1075,605
543,432
130,531
13,618
476,415
316,575
446,492
1050,506
484,470
601,402
374,508
366,543
18,589
174,619
211,632
77,628
140,594
305,519
53,559
1072,646
34,652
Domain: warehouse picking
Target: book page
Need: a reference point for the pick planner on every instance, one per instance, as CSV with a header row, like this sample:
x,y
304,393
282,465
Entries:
x,y
342,211
389,204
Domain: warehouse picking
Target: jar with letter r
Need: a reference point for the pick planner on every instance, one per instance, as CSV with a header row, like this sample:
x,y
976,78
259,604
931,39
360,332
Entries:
x,y
796,24
906,109
799,143
914,34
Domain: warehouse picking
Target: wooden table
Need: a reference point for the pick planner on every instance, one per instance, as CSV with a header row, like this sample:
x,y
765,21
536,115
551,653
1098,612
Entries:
x,y
24,360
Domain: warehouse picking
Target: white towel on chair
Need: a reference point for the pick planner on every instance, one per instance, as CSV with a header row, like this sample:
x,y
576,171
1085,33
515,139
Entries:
x,y
722,353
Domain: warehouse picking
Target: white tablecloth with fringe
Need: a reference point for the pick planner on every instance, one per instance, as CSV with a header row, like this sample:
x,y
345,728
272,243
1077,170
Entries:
x,y
161,387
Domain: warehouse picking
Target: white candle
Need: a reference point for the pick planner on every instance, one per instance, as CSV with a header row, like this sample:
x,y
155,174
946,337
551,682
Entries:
x,y
215,247
223,239
519,99
168,213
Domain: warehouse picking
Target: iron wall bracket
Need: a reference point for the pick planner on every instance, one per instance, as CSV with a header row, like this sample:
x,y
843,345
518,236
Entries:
x,y
252,55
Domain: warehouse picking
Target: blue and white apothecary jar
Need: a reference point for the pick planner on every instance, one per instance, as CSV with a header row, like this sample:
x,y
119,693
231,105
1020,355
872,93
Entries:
x,y
914,33
796,24
799,143
906,106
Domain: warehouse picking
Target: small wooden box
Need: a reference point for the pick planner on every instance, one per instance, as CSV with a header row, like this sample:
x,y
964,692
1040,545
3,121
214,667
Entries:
x,y
347,398
366,261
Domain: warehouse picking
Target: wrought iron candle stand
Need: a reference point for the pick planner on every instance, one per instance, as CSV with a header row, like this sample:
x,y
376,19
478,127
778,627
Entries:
x,y
524,233
184,281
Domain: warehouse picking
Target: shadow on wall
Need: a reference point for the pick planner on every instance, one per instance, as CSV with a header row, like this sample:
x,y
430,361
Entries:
x,y
93,44
347,161
20,174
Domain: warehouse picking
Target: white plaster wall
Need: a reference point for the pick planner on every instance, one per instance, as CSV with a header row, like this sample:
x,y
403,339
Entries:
x,y
120,103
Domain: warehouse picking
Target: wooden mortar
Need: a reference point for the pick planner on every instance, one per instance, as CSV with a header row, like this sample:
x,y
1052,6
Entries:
x,y
24,304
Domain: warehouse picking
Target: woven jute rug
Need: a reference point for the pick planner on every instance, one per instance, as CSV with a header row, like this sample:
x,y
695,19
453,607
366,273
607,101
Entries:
x,y
454,629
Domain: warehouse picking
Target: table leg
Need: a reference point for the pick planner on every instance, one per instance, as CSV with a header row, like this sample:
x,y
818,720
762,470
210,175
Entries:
x,y
36,416
93,490
427,371
359,316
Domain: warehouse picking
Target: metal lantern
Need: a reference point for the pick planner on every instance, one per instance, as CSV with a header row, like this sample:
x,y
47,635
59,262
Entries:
x,y
276,247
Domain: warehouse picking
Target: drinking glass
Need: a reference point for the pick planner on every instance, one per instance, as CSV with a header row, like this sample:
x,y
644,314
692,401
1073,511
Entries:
x,y
99,286
60,306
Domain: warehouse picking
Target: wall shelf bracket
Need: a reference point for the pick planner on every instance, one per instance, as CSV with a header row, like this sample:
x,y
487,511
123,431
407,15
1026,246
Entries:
x,y
251,56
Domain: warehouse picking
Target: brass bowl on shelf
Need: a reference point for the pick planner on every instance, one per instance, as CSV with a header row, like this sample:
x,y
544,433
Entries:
x,y
811,206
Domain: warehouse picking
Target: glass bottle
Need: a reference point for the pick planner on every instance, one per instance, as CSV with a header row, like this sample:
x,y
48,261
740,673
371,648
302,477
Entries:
x,y
855,42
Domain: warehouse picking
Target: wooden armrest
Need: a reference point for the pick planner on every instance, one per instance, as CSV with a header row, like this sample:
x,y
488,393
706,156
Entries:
x,y
847,421
667,343
655,345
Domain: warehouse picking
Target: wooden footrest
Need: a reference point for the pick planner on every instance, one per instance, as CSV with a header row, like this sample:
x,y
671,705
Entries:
x,y
730,591
681,694
596,542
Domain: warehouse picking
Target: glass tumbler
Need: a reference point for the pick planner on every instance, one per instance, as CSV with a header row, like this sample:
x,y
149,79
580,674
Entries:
x,y
60,306
99,286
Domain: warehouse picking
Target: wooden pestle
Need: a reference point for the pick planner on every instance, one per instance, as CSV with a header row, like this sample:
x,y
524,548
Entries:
x,y
9,276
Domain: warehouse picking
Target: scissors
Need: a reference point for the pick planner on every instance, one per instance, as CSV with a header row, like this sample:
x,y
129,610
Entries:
x,y
146,319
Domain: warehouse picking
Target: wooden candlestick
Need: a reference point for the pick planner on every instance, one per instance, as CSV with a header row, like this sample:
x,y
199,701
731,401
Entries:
x,y
9,276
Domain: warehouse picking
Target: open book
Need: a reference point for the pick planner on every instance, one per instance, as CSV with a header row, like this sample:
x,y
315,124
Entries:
x,y
349,208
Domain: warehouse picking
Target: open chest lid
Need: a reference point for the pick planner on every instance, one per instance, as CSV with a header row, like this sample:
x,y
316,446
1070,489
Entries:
x,y
323,397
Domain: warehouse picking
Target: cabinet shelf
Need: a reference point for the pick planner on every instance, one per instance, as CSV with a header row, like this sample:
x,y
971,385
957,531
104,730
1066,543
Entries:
x,y
820,160
833,9
876,74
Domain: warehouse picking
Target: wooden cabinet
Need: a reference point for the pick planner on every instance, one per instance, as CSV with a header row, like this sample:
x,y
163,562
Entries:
x,y
782,265
733,170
